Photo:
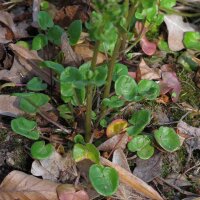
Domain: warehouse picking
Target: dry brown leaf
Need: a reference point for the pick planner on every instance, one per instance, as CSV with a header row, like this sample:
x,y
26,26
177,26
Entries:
x,y
149,169
149,73
70,57
86,52
55,168
115,142
68,192
176,29
187,129
30,61
130,180
18,185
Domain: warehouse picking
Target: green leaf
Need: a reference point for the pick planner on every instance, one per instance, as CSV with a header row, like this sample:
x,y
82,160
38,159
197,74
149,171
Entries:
x,y
44,20
30,102
44,5
39,42
146,153
105,180
126,87
119,70
35,84
167,139
138,143
58,68
23,44
74,31
113,102
65,112
148,89
167,4
103,123
88,151
41,151
163,46
78,97
139,119
100,75
79,139
54,34
25,127
191,40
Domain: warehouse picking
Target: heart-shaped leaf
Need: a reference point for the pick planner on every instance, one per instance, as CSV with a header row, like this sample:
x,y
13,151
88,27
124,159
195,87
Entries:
x,y
167,139
126,87
54,34
119,70
191,40
35,84
30,102
41,151
148,89
113,102
74,31
146,152
116,127
58,68
105,180
44,20
138,143
39,42
25,127
139,119
88,151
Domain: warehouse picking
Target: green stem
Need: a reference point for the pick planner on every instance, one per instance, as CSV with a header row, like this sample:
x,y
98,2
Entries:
x,y
111,67
88,115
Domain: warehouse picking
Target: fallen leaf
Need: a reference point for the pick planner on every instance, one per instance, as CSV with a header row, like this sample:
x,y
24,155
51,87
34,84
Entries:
x,y
130,180
55,168
117,141
70,57
149,48
68,192
179,180
149,73
170,83
149,169
176,29
86,52
18,185
187,129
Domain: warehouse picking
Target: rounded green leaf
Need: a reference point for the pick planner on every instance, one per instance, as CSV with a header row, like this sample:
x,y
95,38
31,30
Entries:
x,y
191,40
54,34
44,5
74,31
126,86
167,4
79,139
25,127
100,75
30,102
139,119
148,89
113,102
105,180
71,75
88,151
41,151
167,139
119,70
146,153
58,68
138,143
35,84
44,20
39,42
23,44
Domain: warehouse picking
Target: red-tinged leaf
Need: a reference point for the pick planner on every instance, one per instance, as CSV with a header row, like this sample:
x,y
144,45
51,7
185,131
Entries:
x,y
116,127
132,74
170,83
149,48
68,192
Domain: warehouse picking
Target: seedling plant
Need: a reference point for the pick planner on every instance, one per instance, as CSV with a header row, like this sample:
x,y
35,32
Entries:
x,y
111,28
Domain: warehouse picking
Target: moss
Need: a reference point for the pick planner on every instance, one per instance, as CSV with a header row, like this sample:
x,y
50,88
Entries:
x,y
3,135
166,169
